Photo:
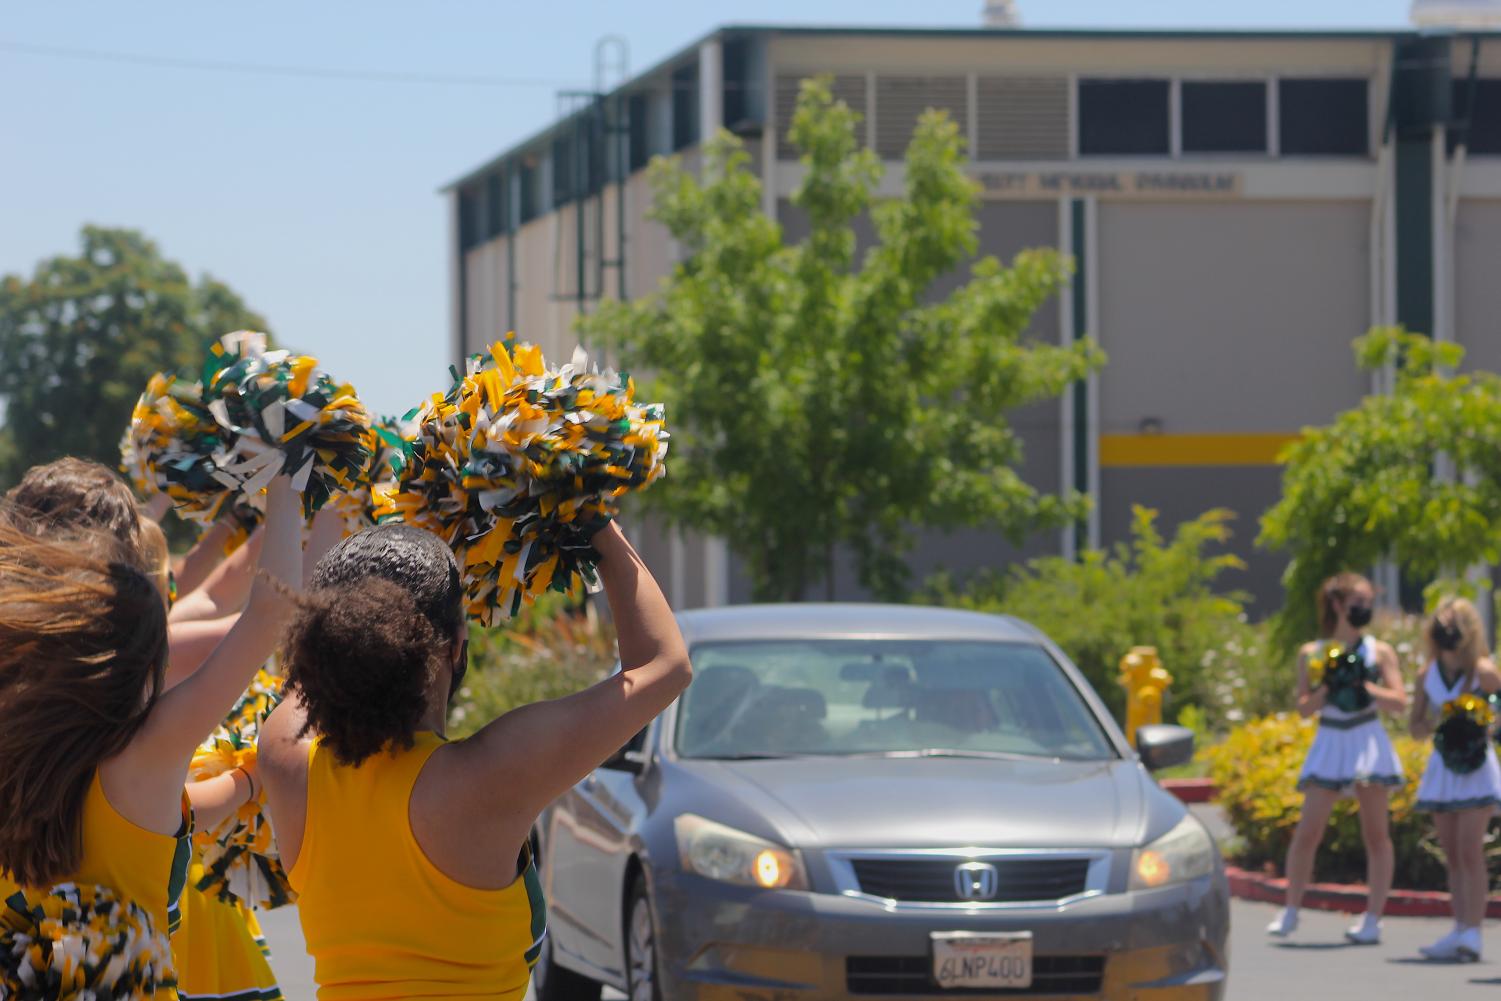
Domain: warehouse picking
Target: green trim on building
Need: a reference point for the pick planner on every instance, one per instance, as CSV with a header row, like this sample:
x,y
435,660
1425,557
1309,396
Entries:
x,y
1414,210
1080,291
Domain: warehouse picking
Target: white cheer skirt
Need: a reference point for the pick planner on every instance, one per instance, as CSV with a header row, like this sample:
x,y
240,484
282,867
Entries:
x,y
1442,790
1340,758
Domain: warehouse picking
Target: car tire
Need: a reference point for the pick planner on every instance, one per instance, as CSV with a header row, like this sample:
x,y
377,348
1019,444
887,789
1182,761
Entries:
x,y
556,983
641,953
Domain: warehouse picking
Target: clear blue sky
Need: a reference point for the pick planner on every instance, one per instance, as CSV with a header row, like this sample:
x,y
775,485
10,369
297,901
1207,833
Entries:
x,y
316,198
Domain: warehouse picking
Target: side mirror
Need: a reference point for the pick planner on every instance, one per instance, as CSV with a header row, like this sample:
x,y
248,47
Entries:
x,y
1162,745
630,758
627,760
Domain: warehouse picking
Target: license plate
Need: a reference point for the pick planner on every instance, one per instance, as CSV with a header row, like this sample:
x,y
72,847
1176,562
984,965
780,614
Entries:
x,y
982,959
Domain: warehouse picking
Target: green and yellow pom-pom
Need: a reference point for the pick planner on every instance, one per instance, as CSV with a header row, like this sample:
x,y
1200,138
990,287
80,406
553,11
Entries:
x,y
390,451
280,413
169,448
1462,735
1474,708
240,860
517,467
75,941
1319,662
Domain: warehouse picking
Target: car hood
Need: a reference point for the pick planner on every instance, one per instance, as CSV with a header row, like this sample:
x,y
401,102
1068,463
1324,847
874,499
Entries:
x,y
937,802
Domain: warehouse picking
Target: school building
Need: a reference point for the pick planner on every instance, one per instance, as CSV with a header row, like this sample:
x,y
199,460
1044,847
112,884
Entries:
x,y
1239,205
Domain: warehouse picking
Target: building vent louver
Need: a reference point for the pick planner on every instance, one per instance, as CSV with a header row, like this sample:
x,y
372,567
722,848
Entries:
x,y
900,100
1022,118
848,88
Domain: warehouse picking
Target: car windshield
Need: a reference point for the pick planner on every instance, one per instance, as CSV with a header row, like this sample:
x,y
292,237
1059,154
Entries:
x,y
883,697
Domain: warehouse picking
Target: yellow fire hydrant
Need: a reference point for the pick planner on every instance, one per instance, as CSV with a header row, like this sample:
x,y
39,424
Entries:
x,y
1144,680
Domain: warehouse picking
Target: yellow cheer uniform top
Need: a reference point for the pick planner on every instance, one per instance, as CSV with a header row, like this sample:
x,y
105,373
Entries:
x,y
380,920
141,866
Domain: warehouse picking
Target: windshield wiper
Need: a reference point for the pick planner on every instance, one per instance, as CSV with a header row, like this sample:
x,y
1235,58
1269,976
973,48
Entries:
x,y
744,757
951,752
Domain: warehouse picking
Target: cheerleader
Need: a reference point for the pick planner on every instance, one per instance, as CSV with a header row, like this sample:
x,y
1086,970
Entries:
x,y
1347,679
1461,784
410,852
94,756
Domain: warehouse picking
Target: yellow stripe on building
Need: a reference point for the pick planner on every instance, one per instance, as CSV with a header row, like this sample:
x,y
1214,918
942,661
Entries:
x,y
1192,449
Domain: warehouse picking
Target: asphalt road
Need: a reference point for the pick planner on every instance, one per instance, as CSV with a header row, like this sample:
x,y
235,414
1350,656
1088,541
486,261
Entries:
x,y
1316,963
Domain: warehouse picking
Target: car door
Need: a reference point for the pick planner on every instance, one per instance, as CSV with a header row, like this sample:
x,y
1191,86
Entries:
x,y
587,844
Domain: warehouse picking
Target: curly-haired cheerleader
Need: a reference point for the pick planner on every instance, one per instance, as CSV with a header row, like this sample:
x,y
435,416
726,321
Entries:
x,y
410,852
94,755
1348,679
1461,784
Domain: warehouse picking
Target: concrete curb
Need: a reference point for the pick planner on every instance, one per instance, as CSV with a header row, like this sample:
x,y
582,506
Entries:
x,y
1350,898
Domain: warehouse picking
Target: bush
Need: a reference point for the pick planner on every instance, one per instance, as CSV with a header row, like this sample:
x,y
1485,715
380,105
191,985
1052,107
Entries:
x,y
1145,593
1256,769
550,651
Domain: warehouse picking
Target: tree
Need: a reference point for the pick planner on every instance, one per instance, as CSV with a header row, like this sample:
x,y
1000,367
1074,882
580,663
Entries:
x,y
1150,592
81,337
1365,488
818,402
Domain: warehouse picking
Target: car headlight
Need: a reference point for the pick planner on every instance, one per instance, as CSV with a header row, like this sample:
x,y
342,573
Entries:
x,y
723,853
1186,852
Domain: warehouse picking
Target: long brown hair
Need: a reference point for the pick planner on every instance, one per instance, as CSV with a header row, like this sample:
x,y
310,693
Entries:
x,y
83,646
1337,588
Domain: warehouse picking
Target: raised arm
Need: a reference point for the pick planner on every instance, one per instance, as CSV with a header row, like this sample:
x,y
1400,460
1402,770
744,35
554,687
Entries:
x,y
186,714
555,744
226,587
195,567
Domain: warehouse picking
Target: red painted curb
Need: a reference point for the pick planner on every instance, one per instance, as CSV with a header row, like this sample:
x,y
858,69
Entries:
x,y
1350,898
1191,790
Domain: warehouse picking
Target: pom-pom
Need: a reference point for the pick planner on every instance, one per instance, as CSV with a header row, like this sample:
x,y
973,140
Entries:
x,y
517,467
390,451
280,413
80,942
240,861
1343,673
170,446
1463,733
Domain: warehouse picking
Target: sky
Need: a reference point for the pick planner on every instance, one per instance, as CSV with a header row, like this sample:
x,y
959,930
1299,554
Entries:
x,y
316,197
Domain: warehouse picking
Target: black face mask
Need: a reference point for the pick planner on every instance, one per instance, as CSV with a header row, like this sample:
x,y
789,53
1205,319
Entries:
x,y
459,670
1447,637
1358,616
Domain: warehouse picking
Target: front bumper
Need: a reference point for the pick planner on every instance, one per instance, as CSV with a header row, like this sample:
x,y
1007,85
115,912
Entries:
x,y
719,942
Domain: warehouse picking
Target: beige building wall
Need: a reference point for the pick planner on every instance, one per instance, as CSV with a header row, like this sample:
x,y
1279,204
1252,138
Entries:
x,y
1477,290
1231,317
1147,57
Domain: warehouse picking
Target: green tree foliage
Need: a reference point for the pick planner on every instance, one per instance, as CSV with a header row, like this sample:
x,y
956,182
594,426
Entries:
x,y
1148,592
1364,488
822,401
79,339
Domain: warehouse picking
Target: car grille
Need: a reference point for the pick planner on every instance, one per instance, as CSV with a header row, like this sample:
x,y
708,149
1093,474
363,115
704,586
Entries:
x,y
914,975
932,880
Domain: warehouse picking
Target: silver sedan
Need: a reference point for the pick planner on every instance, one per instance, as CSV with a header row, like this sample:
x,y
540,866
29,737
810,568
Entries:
x,y
860,800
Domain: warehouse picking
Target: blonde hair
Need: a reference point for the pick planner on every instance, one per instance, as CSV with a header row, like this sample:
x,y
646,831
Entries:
x,y
1462,613
156,557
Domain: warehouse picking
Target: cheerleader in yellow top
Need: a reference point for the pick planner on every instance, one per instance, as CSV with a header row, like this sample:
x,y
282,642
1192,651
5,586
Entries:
x,y
83,649
408,851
